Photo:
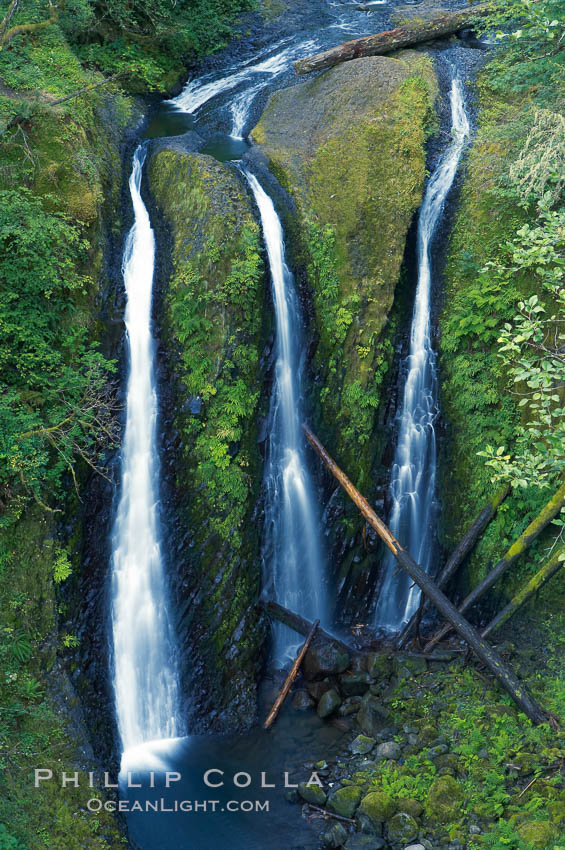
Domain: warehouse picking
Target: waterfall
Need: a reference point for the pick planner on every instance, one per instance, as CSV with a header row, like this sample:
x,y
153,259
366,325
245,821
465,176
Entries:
x,y
413,482
292,555
145,681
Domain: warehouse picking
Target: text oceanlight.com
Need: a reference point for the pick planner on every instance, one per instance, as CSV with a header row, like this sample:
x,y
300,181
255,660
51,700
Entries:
x,y
187,806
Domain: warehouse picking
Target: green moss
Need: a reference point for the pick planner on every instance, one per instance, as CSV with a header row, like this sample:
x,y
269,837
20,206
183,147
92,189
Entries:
x,y
537,833
444,800
344,801
378,807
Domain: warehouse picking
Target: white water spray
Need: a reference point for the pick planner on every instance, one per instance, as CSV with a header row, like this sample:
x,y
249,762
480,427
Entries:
x,y
413,481
292,557
145,680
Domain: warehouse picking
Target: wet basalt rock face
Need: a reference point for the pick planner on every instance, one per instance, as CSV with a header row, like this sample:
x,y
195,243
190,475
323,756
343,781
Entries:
x,y
210,310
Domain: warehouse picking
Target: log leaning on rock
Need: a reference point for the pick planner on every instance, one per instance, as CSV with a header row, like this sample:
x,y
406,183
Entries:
x,y
391,40
456,558
485,653
272,715
534,529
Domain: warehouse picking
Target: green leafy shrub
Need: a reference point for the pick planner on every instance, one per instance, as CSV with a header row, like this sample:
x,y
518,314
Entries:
x,y
54,402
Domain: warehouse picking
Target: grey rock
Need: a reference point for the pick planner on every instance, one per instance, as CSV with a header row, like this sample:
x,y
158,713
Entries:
x,y
439,750
365,842
302,700
354,684
386,733
362,745
335,837
317,689
325,659
329,702
349,706
389,750
370,718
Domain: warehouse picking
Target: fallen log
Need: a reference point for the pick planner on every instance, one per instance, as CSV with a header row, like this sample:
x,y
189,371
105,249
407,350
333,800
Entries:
x,y
485,653
456,558
302,626
534,529
85,90
387,42
272,715
547,571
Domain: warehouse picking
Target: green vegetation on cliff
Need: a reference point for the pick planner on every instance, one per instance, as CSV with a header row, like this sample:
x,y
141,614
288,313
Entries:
x,y
147,42
502,374
349,147
212,323
60,174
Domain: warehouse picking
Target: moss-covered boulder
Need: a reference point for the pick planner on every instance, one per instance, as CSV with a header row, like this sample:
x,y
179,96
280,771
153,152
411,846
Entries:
x,y
212,297
444,800
402,829
349,147
362,745
411,807
312,793
537,833
378,806
344,801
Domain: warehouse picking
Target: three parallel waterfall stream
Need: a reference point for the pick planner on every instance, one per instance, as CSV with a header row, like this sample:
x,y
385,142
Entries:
x,y
146,686
413,482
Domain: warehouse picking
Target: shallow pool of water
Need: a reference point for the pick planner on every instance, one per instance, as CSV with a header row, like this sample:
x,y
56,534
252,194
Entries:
x,y
193,815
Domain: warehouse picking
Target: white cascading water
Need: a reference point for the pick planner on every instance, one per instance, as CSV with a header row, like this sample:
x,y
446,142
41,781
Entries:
x,y
293,557
199,91
413,482
144,649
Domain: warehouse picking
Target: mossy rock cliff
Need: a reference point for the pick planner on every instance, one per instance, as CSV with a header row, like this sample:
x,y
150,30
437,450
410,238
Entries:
x,y
212,307
349,147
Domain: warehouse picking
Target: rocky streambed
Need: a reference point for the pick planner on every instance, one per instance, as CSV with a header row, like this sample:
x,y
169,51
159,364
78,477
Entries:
x,y
430,758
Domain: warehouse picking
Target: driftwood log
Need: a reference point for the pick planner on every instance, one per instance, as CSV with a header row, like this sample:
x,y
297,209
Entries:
x,y
387,42
552,566
534,529
272,715
456,558
485,653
